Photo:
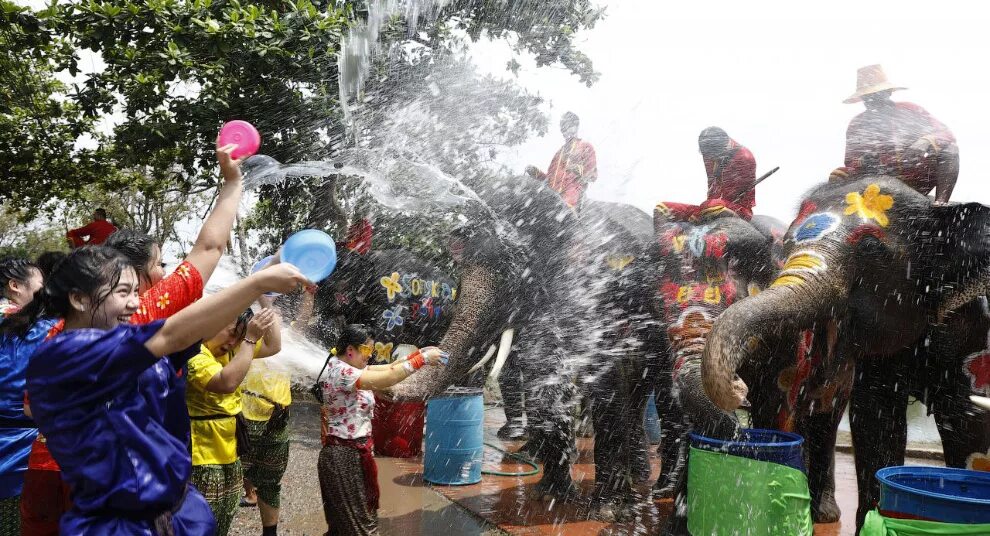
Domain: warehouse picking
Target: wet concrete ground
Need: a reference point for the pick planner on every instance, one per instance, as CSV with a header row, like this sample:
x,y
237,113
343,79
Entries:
x,y
497,505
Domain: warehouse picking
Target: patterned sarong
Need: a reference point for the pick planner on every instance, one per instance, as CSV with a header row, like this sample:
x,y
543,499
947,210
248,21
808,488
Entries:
x,y
345,501
266,463
221,486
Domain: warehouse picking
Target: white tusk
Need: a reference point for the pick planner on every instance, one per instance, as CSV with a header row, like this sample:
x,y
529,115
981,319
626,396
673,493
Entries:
x,y
981,401
504,347
479,364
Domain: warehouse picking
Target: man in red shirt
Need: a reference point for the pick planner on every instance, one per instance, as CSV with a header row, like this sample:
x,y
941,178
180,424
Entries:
x,y
96,231
573,167
731,170
900,139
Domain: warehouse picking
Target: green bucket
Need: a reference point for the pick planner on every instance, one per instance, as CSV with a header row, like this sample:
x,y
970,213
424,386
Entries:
x,y
736,494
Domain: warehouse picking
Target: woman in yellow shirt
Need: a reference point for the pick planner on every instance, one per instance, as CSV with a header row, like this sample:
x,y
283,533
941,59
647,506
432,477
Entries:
x,y
214,401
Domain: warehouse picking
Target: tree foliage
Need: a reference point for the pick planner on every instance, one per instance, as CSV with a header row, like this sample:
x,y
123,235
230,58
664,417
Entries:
x,y
168,73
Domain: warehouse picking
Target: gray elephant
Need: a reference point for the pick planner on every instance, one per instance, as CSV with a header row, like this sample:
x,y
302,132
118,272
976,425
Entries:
x,y
540,280
704,266
889,283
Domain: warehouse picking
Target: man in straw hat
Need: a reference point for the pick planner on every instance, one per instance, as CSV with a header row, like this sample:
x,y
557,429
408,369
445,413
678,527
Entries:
x,y
900,139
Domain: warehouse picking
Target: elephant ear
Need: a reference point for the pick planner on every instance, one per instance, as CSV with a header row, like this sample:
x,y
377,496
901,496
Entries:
x,y
959,250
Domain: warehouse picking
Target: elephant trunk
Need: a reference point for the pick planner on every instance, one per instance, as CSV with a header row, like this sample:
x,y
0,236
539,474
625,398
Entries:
x,y
475,302
753,327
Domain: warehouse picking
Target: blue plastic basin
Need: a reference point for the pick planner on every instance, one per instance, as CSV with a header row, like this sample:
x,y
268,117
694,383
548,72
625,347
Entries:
x,y
758,444
313,252
454,437
935,494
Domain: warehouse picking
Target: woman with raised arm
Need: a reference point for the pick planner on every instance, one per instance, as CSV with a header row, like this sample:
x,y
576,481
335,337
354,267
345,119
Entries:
x,y
46,497
214,401
99,393
347,469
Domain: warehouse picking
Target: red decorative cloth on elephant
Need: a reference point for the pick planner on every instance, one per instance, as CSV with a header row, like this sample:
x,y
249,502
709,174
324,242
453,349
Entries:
x,y
881,141
571,170
731,186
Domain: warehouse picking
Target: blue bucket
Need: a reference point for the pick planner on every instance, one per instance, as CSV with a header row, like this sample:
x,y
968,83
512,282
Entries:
x,y
935,494
652,421
757,444
454,437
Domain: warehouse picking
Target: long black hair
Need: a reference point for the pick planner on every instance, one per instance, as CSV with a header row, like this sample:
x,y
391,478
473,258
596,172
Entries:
x,y
84,271
17,270
352,335
48,260
134,245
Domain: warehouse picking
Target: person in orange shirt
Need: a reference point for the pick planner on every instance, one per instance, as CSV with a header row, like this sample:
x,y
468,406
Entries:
x,y
573,167
93,233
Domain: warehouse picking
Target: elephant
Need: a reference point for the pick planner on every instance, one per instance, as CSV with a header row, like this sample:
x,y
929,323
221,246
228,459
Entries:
x,y
890,285
542,280
399,296
703,267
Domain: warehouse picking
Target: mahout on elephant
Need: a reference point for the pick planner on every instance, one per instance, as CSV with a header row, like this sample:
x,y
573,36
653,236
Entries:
x,y
888,283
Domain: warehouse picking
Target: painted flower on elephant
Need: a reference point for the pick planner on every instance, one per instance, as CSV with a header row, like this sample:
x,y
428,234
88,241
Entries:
x,y
393,317
977,369
392,286
978,461
383,352
870,205
816,226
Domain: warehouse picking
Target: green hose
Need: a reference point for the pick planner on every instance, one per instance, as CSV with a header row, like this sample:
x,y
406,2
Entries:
x,y
535,468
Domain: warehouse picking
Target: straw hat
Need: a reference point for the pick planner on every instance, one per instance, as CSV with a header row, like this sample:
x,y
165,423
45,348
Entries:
x,y
870,79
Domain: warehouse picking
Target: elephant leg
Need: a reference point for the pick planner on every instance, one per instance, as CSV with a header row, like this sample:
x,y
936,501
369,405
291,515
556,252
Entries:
x,y
963,427
551,395
510,382
878,421
820,431
673,434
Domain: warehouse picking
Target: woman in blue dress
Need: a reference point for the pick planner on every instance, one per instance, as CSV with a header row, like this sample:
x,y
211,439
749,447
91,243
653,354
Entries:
x,y
99,393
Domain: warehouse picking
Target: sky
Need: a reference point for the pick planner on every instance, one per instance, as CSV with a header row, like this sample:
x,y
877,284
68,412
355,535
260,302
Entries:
x,y
772,74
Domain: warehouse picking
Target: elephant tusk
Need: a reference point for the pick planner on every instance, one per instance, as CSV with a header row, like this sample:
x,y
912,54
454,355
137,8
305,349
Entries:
x,y
981,401
504,347
479,364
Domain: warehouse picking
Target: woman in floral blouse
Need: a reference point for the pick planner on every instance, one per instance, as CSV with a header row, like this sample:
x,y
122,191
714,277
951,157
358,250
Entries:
x,y
348,474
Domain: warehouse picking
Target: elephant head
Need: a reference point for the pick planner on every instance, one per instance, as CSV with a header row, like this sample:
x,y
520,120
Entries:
x,y
873,256
706,267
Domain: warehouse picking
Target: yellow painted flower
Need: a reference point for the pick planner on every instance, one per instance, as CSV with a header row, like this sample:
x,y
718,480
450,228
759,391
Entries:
x,y
392,286
163,301
183,271
384,352
871,205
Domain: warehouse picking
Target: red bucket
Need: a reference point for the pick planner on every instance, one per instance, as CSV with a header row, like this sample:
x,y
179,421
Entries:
x,y
397,428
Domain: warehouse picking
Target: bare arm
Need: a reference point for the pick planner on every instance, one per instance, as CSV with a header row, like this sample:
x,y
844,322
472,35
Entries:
x,y
211,314
379,379
271,339
213,236
233,373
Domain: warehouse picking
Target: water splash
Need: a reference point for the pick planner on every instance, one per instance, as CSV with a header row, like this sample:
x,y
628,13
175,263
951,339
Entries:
x,y
360,47
395,181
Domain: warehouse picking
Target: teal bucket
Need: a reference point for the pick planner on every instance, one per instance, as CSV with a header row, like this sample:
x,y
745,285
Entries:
x,y
454,437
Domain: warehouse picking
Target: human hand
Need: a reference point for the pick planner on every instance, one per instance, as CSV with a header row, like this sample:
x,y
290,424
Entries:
x,y
260,324
229,168
739,391
434,356
532,171
282,278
